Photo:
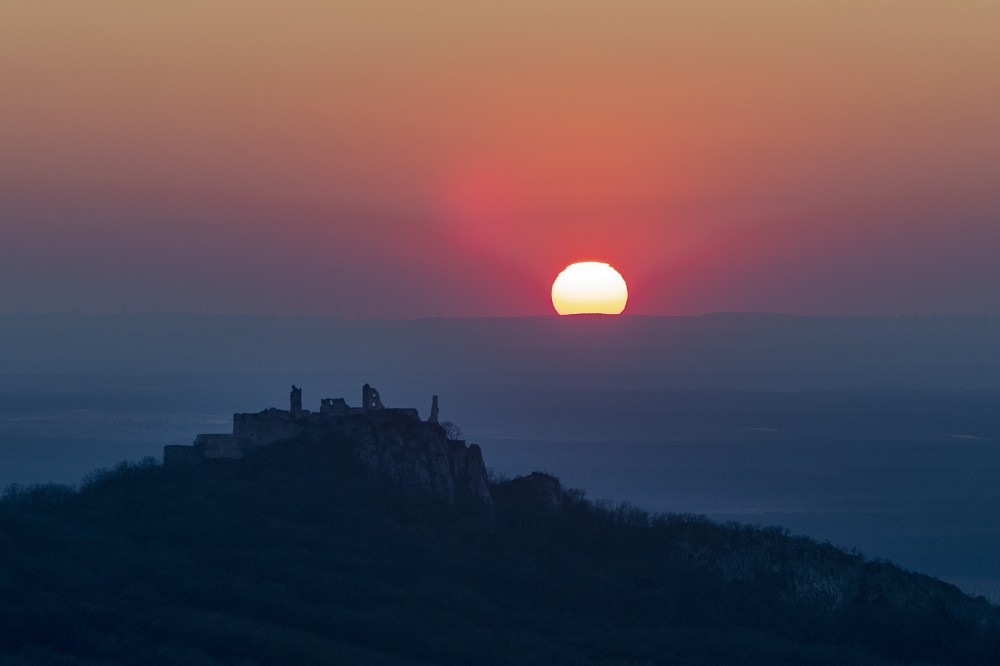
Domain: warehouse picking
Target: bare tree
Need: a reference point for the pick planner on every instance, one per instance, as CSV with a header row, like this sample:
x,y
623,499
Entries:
x,y
452,431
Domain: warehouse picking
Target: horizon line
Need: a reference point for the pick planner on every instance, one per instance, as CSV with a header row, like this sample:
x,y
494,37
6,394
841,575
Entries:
x,y
552,316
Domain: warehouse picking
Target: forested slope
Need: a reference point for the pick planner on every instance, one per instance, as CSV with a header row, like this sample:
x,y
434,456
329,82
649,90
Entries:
x,y
292,556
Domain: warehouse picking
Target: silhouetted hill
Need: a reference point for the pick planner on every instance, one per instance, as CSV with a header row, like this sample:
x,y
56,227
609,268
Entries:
x,y
292,555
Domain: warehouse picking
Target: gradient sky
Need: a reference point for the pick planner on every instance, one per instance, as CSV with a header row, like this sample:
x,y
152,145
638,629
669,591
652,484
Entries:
x,y
407,159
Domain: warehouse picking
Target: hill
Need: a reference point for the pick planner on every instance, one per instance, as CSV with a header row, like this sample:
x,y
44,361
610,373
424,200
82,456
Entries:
x,y
292,554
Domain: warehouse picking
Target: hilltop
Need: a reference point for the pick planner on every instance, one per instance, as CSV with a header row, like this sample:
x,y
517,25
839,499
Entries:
x,y
302,551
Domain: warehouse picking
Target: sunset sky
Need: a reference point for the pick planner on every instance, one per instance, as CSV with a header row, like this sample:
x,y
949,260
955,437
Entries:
x,y
410,159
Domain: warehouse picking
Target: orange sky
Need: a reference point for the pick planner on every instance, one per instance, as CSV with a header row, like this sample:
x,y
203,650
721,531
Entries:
x,y
402,159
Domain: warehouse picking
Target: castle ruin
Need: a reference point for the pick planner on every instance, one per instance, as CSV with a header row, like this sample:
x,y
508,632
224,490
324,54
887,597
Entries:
x,y
392,444
260,429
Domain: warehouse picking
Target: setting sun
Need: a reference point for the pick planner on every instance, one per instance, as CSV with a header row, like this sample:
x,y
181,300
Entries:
x,y
589,287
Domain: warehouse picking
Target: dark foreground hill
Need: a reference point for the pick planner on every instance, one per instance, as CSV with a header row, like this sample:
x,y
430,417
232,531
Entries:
x,y
292,555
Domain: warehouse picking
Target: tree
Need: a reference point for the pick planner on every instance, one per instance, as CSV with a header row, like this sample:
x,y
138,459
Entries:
x,y
452,431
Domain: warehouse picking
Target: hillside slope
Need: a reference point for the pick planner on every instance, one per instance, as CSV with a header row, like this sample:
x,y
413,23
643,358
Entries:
x,y
292,555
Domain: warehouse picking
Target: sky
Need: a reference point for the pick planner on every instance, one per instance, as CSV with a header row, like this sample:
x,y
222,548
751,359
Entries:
x,y
364,158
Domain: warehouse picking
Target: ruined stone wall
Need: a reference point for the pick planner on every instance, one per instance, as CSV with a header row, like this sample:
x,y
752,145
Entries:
x,y
393,444
370,399
408,412
267,427
217,446
334,407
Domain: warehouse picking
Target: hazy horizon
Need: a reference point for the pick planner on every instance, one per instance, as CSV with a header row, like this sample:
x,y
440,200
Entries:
x,y
547,315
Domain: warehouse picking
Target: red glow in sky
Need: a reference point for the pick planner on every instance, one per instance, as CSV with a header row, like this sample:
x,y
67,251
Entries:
x,y
390,160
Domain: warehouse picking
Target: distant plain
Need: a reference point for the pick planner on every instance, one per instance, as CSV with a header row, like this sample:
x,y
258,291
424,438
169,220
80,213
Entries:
x,y
881,434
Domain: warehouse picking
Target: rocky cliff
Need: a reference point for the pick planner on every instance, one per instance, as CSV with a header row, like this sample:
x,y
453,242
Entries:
x,y
405,453
537,492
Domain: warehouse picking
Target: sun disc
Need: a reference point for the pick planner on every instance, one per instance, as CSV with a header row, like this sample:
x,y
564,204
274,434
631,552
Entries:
x,y
589,287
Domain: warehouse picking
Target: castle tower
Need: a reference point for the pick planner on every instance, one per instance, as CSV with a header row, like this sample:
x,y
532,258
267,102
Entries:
x,y
370,399
434,410
296,400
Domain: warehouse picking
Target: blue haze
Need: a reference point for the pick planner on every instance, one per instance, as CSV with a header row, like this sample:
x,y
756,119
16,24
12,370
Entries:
x,y
881,434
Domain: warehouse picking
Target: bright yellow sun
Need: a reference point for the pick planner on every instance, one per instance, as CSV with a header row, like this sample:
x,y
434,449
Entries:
x,y
589,287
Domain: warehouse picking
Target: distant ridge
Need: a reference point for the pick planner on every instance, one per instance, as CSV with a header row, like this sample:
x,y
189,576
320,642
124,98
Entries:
x,y
754,351
722,350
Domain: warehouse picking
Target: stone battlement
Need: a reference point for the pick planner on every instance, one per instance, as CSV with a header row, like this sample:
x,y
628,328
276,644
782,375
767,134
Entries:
x,y
255,430
392,444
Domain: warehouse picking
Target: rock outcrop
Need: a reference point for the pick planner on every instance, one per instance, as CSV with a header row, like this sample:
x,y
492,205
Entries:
x,y
415,455
391,444
536,492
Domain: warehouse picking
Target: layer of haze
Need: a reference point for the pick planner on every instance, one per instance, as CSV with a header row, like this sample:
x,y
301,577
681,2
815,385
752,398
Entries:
x,y
408,159
875,433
